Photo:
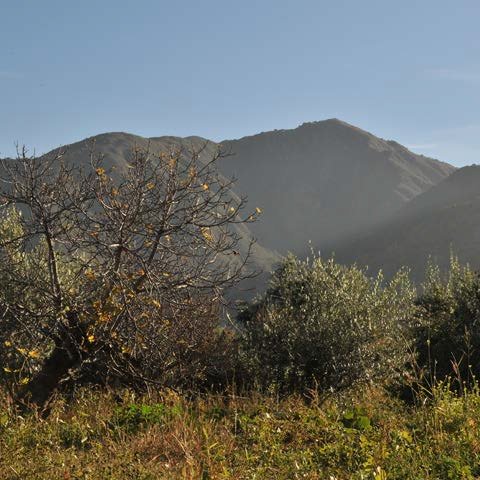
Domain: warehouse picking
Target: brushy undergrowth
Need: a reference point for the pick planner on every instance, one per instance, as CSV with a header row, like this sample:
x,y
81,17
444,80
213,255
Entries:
x,y
364,434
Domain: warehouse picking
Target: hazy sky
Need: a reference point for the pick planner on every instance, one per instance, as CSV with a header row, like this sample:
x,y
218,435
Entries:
x,y
405,70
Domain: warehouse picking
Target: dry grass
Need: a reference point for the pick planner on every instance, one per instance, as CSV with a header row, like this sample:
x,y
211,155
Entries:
x,y
363,435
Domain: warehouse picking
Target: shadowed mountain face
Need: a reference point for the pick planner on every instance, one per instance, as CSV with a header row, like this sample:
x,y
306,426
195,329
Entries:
x,y
325,181
116,149
369,200
442,220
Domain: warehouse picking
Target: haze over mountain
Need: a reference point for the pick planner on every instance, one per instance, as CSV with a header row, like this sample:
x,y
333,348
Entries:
x,y
443,220
117,150
369,200
325,181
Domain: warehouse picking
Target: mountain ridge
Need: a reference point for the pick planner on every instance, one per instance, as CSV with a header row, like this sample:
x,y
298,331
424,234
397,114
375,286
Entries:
x,y
347,178
442,221
326,185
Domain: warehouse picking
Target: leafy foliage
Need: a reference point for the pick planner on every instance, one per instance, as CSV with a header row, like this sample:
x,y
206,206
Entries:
x,y
322,324
448,340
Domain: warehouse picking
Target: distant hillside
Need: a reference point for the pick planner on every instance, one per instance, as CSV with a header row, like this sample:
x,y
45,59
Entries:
x,y
117,149
444,218
370,200
324,181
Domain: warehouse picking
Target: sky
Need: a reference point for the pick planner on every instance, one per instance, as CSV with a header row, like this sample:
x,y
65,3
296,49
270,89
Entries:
x,y
222,69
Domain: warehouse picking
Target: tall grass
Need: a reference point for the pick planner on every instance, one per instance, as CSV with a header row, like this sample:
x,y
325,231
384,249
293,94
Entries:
x,y
363,434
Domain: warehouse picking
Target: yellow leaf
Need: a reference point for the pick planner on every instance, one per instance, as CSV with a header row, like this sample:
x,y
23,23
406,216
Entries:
x,y
89,273
258,210
24,381
150,186
156,303
104,317
100,171
34,354
91,338
205,186
7,370
7,343
207,235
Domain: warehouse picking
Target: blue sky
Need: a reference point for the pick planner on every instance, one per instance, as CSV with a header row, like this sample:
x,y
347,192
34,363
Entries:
x,y
404,70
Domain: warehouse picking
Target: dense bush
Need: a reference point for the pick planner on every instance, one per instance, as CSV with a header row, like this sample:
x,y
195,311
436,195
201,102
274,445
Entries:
x,y
119,273
324,325
448,341
191,350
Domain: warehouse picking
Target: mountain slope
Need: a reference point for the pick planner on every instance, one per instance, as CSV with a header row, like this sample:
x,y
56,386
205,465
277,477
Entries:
x,y
116,148
325,181
446,218
370,200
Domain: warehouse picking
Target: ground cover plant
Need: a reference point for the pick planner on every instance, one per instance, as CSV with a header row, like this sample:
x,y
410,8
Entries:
x,y
364,434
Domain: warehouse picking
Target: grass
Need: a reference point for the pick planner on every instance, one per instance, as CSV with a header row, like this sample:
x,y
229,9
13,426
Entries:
x,y
365,434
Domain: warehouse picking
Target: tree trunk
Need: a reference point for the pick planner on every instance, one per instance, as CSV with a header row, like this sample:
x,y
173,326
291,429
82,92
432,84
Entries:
x,y
65,356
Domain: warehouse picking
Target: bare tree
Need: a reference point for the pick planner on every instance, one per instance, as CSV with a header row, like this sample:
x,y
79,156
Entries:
x,y
113,273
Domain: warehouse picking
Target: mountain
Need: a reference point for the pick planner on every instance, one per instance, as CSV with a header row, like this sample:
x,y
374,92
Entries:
x,y
442,220
370,200
116,149
325,181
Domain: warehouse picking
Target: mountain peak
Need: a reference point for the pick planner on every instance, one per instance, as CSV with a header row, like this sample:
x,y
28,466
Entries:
x,y
329,122
338,127
325,179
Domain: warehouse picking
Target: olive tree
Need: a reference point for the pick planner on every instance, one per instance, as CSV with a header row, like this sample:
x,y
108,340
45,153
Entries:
x,y
113,273
448,337
323,325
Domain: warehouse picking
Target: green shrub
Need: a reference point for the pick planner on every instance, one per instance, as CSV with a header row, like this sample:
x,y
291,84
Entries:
x,y
448,340
324,325
133,417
